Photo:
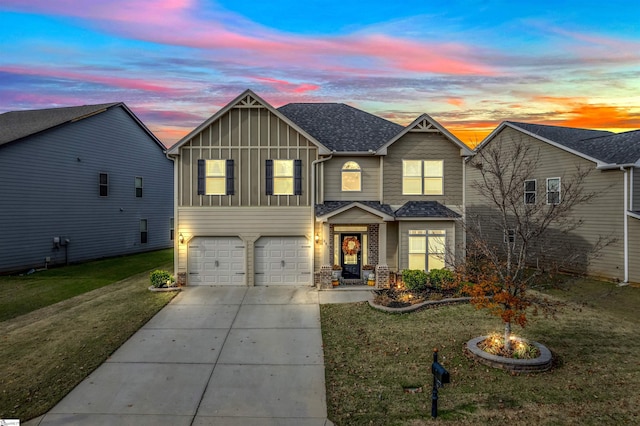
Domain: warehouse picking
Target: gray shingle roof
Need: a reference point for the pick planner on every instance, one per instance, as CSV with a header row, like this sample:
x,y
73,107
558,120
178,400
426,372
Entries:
x,y
608,147
425,209
341,127
429,209
15,125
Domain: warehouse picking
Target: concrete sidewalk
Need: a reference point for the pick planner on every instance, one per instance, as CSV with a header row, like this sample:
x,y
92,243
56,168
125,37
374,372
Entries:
x,y
214,355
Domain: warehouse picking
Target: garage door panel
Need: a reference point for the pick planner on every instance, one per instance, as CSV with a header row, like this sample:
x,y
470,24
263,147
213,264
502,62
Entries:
x,y
216,261
282,261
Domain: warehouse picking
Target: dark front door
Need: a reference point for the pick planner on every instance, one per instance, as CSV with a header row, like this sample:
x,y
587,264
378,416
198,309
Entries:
x,y
350,261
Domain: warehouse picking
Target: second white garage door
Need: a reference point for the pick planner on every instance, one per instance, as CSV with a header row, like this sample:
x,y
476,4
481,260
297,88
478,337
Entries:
x,y
216,261
282,261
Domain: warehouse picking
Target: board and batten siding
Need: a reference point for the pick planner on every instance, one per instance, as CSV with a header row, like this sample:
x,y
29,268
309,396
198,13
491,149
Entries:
x,y
50,189
248,223
635,201
369,179
423,146
603,216
634,250
249,136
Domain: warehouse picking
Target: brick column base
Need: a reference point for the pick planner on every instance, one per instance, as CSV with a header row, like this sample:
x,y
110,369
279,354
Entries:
x,y
182,279
322,279
382,276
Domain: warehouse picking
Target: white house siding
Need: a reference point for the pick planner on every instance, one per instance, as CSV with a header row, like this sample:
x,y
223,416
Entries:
x,y
247,223
603,216
49,188
370,179
634,250
423,146
404,228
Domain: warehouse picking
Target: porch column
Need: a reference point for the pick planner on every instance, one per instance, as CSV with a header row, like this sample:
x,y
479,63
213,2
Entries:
x,y
326,256
382,244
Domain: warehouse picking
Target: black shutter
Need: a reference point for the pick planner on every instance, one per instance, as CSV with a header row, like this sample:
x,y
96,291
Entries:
x,y
297,177
201,177
230,182
269,177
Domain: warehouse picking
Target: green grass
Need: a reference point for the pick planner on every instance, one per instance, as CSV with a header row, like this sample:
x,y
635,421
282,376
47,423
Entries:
x,y
23,294
370,356
46,353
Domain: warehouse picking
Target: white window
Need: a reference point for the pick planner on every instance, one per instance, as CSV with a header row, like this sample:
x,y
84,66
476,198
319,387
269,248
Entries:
x,y
427,249
553,190
138,187
530,191
215,177
351,176
422,177
282,177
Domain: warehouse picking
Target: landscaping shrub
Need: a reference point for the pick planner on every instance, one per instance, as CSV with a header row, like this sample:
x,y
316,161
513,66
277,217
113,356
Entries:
x,y
414,279
441,278
160,278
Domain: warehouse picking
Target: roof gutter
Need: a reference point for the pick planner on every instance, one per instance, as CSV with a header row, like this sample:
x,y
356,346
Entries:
x,y
615,166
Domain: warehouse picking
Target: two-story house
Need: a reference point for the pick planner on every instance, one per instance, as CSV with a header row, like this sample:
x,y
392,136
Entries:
x,y
81,183
268,196
611,216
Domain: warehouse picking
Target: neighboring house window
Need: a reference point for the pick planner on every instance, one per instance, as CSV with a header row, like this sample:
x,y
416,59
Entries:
x,y
351,176
139,187
510,236
283,177
143,231
553,190
171,228
427,249
422,177
103,185
530,191
215,177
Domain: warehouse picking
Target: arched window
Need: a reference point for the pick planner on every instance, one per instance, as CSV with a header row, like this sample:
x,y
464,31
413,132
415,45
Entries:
x,y
351,176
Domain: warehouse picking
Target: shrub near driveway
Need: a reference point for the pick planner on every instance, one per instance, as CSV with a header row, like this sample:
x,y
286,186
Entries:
x,y
46,353
369,357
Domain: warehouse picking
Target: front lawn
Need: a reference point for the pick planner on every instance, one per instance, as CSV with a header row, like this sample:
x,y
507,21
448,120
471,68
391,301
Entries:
x,y
370,356
47,352
22,294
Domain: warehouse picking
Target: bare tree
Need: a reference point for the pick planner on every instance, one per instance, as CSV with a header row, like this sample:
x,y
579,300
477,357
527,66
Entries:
x,y
515,231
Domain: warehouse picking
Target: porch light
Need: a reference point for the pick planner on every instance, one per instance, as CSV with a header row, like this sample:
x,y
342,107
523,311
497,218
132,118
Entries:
x,y
317,238
181,238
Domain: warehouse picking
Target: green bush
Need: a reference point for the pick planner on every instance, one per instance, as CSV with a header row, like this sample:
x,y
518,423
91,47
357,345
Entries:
x,y
441,278
160,278
414,279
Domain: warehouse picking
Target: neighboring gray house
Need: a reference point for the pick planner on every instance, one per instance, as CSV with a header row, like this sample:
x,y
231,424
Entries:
x,y
614,161
81,183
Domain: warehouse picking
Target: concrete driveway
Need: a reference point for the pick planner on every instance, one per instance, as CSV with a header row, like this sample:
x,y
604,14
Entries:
x,y
214,355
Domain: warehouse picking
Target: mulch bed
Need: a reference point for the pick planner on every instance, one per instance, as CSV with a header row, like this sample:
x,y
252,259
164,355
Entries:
x,y
402,298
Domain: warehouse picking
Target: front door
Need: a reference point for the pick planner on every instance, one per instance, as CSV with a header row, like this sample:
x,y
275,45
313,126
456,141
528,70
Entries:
x,y
350,260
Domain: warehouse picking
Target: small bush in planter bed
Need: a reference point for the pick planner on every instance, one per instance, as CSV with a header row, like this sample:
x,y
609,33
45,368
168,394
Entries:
x,y
160,278
414,279
441,278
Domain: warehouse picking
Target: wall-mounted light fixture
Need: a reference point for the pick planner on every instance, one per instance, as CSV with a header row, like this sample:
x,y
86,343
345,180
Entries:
x,y
317,239
181,238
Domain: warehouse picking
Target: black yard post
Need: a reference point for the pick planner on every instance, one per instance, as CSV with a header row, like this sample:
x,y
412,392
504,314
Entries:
x,y
434,393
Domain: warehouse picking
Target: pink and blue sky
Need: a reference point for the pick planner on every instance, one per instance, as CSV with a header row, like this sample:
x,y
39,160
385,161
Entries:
x,y
470,64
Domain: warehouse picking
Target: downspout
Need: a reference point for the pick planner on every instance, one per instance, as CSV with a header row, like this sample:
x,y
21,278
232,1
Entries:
x,y
626,228
313,212
176,242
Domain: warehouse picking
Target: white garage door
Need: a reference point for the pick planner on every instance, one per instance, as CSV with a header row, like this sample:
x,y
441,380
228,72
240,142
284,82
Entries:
x,y
216,261
283,261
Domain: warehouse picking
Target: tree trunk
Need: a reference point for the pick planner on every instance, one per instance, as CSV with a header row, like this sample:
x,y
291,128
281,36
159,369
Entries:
x,y
507,336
